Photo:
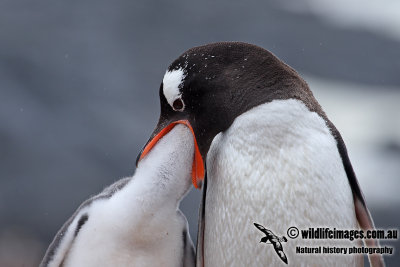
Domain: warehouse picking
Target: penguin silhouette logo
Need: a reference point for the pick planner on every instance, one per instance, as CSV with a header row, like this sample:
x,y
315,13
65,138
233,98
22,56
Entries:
x,y
271,238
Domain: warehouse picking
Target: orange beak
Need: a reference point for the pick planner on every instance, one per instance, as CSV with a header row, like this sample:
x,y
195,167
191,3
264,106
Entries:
x,y
198,164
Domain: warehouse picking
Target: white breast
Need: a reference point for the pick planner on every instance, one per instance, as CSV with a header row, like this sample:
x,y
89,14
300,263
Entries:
x,y
107,240
277,165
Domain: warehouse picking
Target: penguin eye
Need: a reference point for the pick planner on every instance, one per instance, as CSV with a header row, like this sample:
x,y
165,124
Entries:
x,y
178,104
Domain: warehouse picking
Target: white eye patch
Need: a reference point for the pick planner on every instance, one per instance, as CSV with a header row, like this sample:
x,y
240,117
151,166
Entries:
x,y
171,82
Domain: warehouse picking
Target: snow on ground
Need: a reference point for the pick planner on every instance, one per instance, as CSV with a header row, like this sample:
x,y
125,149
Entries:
x,y
368,119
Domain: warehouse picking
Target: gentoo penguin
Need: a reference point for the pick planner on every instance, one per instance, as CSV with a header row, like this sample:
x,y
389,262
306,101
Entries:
x,y
135,221
272,156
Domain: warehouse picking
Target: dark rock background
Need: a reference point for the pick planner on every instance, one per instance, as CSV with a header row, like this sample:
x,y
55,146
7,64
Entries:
x,y
79,93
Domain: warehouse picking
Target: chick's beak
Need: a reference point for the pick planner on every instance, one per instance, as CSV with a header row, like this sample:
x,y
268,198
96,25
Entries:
x,y
198,163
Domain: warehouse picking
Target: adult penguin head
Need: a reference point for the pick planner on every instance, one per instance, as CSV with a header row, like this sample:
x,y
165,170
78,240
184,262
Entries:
x,y
207,87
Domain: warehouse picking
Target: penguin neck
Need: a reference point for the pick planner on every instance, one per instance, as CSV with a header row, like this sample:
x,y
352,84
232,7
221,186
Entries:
x,y
270,131
163,176
164,186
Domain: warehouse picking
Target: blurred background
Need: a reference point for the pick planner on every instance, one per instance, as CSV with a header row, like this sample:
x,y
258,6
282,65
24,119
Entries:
x,y
79,87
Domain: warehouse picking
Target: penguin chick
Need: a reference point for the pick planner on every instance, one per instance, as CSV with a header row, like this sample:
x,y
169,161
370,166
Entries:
x,y
135,221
